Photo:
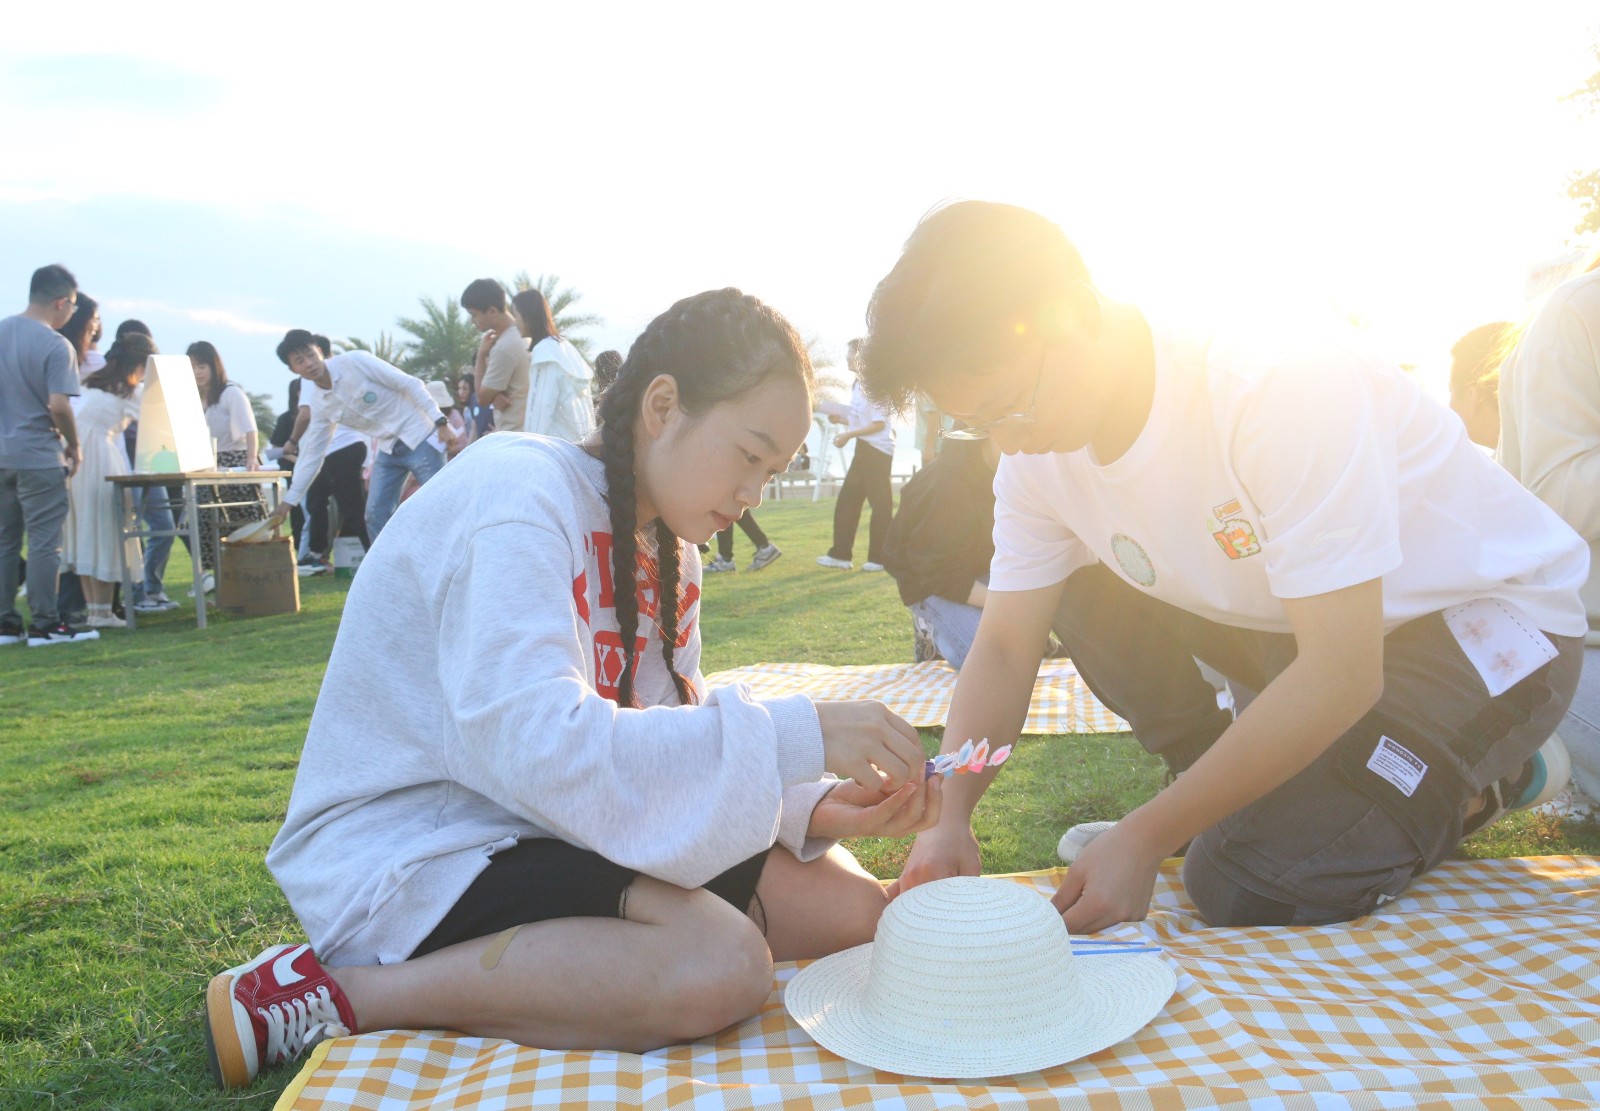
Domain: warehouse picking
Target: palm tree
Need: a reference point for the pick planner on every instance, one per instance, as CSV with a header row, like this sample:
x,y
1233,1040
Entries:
x,y
386,347
444,340
830,385
561,300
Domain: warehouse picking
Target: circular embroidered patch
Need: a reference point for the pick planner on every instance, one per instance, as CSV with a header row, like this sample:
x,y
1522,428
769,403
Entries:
x,y
369,397
1135,563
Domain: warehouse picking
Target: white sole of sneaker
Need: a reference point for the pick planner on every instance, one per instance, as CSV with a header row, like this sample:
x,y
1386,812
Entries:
x,y
230,1038
1557,771
1076,839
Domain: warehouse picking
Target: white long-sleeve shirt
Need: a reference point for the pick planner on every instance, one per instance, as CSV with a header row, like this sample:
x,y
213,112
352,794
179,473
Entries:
x,y
1550,415
370,396
465,708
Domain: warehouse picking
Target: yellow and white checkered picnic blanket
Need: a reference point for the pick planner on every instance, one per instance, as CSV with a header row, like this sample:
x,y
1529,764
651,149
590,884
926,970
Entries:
x,y
1479,987
920,693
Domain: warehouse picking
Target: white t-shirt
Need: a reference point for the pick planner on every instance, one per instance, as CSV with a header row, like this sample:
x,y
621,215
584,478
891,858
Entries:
x,y
863,411
231,419
1263,475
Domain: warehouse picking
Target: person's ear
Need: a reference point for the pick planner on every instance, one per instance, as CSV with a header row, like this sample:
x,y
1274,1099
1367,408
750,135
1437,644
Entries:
x,y
1076,313
659,403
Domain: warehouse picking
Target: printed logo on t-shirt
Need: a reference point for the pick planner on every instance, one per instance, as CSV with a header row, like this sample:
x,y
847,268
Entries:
x,y
1232,531
608,655
1133,560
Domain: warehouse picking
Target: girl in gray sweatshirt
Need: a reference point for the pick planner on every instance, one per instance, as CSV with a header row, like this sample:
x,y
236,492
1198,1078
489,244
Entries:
x,y
518,813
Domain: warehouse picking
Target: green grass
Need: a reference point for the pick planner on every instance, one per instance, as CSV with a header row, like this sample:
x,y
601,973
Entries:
x,y
143,776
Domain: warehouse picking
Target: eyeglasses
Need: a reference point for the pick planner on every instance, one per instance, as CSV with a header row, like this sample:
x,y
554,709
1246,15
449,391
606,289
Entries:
x,y
980,430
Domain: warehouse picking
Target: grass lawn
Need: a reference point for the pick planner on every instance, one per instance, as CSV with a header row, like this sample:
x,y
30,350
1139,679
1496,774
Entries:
x,y
144,775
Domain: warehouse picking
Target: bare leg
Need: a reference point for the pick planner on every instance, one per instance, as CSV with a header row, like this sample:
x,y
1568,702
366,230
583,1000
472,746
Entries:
x,y
819,907
96,592
684,964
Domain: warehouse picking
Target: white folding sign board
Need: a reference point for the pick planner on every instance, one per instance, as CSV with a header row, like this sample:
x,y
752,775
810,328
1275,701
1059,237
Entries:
x,y
173,435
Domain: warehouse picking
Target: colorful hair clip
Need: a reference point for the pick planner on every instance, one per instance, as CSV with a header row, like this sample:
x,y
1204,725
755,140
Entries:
x,y
966,759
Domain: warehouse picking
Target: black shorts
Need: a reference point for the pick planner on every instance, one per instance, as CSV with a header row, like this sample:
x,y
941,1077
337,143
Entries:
x,y
545,878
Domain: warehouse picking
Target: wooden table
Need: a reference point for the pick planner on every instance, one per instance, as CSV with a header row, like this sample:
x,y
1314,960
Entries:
x,y
130,528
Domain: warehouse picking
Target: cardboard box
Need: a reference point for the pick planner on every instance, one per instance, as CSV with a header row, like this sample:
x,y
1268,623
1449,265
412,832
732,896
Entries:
x,y
257,579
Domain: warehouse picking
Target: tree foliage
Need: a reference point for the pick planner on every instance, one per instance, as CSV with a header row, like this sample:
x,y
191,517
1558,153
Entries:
x,y
385,347
443,340
266,417
561,299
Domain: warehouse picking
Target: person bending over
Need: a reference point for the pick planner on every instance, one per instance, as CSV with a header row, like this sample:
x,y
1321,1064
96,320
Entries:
x,y
1303,519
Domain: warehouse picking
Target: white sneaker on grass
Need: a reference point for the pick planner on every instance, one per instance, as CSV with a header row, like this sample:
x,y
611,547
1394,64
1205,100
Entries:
x,y
1076,839
836,564
720,566
871,566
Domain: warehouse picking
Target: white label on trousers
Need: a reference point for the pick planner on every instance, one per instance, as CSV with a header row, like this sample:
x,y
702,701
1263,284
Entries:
x,y
1398,764
1502,644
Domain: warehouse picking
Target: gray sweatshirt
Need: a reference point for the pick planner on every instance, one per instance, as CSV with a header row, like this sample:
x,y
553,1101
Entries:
x,y
464,709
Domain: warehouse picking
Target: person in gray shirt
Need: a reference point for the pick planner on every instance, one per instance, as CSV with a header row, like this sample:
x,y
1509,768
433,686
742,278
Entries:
x,y
38,454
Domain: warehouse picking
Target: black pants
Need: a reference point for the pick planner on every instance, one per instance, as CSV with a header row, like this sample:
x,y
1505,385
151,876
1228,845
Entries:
x,y
340,478
1338,839
751,529
543,879
866,480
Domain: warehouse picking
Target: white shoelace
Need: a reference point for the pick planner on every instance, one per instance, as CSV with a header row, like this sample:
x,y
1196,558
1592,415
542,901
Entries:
x,y
300,1023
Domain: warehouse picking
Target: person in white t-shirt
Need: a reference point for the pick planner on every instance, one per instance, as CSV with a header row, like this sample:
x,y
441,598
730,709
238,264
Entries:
x,y
231,420
500,371
519,813
560,380
868,480
1301,518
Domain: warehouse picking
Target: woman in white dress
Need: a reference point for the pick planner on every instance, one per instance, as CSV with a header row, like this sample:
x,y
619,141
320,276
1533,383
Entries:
x,y
560,400
110,403
232,423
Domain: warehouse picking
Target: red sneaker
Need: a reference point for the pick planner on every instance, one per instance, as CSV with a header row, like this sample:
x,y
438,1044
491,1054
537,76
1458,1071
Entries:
x,y
270,1011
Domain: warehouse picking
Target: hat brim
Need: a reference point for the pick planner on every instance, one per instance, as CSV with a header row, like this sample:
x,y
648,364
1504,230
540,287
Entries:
x,y
1121,994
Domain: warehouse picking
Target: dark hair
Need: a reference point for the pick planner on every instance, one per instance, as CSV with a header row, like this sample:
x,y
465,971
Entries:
x,y
126,356
717,345
484,294
535,313
1476,357
132,328
293,340
974,276
294,391
202,351
77,329
50,284
606,365
323,344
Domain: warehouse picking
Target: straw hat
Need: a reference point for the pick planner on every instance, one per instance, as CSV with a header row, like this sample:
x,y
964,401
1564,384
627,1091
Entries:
x,y
973,977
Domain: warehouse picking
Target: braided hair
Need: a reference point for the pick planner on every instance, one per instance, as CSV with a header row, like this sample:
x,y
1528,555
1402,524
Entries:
x,y
717,346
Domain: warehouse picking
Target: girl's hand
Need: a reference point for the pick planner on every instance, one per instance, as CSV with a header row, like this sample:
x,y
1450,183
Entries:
x,y
841,439
870,744
850,810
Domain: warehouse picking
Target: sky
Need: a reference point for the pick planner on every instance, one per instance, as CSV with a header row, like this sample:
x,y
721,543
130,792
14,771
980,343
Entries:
x,y
227,173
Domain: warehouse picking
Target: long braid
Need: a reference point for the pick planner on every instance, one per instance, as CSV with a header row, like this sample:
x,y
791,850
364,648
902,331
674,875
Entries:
x,y
716,345
667,559
616,437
